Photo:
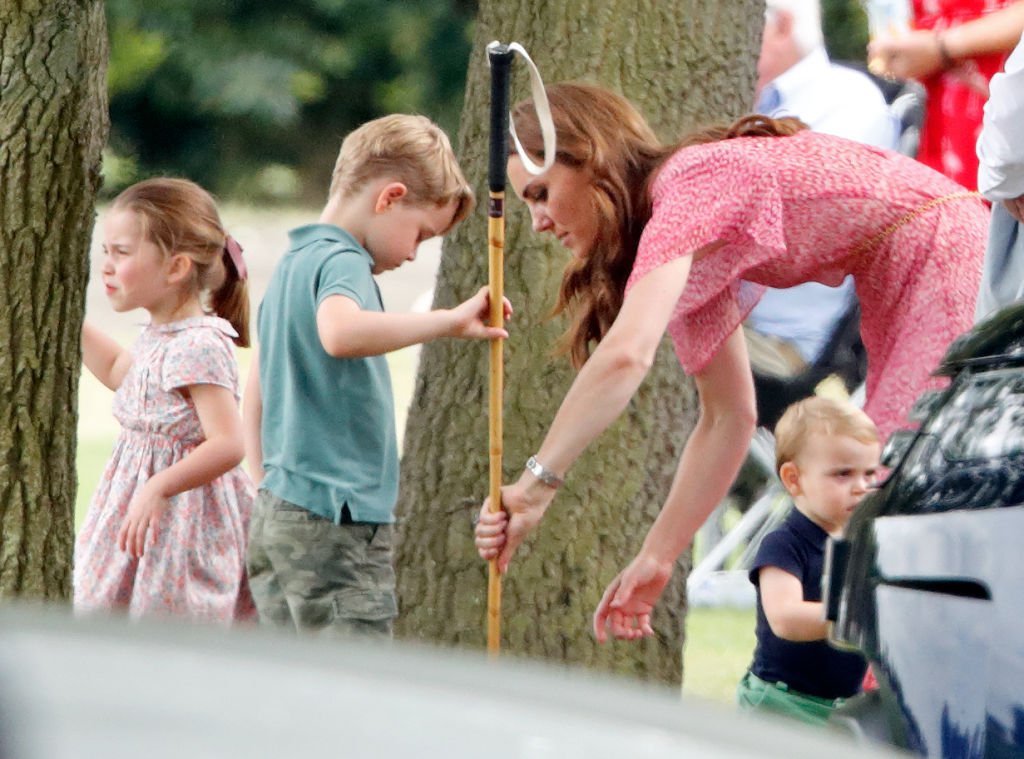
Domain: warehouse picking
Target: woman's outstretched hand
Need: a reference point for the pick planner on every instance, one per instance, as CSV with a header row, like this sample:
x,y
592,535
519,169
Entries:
x,y
498,534
626,606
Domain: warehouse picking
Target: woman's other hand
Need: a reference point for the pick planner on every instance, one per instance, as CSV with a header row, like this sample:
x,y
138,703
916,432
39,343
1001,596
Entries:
x,y
1016,207
912,55
625,609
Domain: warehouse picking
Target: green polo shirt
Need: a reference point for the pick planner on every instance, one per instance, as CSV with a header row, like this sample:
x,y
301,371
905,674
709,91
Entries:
x,y
328,428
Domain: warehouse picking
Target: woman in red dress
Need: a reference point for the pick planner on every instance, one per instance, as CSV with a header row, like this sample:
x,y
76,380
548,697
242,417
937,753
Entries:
x,y
956,47
684,239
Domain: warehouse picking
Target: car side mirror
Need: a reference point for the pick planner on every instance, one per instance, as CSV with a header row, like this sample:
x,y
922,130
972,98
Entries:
x,y
896,447
925,405
837,557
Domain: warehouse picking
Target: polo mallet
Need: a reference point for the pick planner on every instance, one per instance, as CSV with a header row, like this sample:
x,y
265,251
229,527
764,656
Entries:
x,y
500,58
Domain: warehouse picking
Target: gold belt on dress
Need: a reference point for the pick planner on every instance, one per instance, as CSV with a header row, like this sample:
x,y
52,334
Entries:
x,y
909,216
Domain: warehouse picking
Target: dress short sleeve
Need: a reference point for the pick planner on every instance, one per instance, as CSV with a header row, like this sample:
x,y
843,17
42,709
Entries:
x,y
346,273
707,194
724,194
199,356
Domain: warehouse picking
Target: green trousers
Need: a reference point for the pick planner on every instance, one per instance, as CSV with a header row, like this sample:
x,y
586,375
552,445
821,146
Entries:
x,y
754,694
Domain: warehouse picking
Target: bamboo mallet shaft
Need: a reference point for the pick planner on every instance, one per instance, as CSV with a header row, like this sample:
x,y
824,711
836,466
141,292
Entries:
x,y
501,61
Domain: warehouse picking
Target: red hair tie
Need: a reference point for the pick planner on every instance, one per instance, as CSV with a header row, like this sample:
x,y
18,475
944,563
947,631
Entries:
x,y
234,251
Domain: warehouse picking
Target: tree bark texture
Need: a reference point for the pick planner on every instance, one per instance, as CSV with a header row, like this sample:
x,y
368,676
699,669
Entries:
x,y
682,64
53,125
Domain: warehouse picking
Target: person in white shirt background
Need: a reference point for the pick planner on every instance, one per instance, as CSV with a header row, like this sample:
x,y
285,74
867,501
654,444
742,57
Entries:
x,y
1001,180
796,78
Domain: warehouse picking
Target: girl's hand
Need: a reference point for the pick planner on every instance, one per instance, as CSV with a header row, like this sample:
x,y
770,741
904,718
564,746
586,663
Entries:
x,y
471,318
630,598
498,534
143,516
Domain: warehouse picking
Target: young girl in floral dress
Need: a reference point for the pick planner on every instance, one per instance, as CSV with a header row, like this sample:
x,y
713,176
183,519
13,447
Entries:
x,y
166,529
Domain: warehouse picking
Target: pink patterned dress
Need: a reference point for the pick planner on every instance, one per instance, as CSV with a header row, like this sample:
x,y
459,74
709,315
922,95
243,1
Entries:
x,y
196,569
813,207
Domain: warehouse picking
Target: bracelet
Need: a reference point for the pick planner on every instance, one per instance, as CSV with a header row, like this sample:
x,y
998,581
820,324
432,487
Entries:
x,y
543,474
946,61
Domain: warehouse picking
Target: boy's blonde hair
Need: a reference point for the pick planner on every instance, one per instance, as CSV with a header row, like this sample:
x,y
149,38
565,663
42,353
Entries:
x,y
825,416
412,150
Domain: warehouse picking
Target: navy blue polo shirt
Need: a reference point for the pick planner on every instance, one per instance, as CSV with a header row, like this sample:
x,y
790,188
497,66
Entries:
x,y
814,667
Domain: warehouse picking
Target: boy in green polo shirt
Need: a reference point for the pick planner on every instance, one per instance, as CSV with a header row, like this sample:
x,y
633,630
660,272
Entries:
x,y
318,410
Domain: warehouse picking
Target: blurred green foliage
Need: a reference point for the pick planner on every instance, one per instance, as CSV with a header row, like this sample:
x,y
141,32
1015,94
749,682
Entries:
x,y
252,97
846,30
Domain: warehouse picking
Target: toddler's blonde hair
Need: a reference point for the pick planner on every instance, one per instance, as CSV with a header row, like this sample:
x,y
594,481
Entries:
x,y
825,416
412,150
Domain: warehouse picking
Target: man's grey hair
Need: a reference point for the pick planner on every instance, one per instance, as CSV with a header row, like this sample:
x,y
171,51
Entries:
x,y
806,16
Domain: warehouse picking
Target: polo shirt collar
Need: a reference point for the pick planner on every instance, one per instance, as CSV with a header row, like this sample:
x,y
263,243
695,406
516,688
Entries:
x,y
319,232
804,527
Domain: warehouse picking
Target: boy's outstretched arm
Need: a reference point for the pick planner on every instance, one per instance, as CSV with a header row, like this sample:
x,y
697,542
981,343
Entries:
x,y
789,615
347,331
252,419
102,356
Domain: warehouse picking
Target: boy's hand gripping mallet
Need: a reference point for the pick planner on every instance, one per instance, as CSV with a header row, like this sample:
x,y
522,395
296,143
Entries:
x,y
500,58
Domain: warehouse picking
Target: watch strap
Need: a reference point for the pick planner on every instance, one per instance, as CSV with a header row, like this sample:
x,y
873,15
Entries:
x,y
543,474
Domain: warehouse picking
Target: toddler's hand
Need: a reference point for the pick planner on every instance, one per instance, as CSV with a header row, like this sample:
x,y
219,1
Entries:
x,y
471,318
144,514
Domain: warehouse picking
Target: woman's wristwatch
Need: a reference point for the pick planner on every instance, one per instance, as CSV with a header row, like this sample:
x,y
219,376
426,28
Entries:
x,y
543,474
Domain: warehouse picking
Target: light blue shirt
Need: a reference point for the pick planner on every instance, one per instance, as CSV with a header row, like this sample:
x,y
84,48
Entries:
x,y
835,100
328,429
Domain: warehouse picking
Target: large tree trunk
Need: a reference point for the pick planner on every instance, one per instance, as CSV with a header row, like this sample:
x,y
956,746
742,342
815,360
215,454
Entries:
x,y
681,63
53,124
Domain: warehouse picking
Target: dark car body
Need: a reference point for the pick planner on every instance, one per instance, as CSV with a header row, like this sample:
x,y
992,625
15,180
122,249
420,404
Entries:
x,y
929,579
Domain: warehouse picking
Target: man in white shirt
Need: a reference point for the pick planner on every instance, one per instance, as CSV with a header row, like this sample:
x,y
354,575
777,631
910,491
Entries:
x,y
796,78
1001,180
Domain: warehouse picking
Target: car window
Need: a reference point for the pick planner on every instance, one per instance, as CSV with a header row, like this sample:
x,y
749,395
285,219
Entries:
x,y
985,419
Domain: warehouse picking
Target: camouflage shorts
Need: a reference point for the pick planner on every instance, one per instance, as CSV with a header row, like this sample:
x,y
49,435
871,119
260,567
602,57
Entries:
x,y
312,575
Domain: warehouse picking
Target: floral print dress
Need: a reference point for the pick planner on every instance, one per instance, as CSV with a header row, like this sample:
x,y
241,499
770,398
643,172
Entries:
x,y
813,208
196,566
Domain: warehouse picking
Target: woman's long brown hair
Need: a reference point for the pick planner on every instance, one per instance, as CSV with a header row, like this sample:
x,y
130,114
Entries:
x,y
600,132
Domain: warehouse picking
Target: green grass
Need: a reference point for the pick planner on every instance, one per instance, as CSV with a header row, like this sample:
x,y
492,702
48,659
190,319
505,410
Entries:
x,y
719,647
92,456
